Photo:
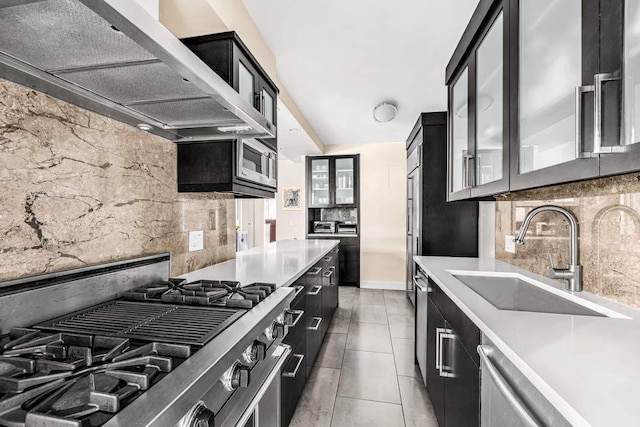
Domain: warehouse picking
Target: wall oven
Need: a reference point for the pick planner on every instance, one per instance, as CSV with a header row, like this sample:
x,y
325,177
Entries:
x,y
257,162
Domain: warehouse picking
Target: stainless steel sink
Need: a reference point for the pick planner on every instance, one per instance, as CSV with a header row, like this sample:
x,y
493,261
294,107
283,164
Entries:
x,y
507,291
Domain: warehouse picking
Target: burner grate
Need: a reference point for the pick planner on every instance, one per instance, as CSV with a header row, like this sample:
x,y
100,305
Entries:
x,y
147,322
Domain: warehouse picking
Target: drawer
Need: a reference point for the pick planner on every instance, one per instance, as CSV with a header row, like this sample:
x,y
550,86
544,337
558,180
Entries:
x,y
296,332
468,333
293,378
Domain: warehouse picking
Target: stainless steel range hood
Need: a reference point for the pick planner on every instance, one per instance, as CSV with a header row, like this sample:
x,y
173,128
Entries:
x,y
112,57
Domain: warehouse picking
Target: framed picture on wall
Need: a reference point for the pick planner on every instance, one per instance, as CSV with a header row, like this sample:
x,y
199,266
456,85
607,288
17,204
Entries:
x,y
292,198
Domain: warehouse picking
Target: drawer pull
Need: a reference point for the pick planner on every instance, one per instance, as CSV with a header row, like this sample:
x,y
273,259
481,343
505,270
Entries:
x,y
315,290
327,259
315,271
317,325
298,314
293,373
298,289
505,389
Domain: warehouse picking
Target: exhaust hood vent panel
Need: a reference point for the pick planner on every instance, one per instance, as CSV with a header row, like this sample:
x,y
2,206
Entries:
x,y
112,57
134,83
188,113
61,34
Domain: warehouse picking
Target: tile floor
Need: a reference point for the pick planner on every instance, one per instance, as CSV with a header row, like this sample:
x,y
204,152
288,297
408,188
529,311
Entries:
x,y
364,374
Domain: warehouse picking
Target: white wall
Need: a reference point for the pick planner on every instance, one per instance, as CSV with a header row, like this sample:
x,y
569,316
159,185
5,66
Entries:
x,y
383,211
290,224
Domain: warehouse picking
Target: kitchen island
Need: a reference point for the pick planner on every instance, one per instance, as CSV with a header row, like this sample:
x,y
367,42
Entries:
x,y
281,263
570,359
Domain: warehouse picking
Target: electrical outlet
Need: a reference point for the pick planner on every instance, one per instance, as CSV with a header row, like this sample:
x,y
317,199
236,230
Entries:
x,y
196,241
510,244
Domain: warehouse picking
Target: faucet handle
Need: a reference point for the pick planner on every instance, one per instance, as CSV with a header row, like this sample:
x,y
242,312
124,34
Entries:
x,y
550,260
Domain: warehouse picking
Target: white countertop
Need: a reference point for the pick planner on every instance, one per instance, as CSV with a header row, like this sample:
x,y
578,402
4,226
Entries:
x,y
587,367
279,262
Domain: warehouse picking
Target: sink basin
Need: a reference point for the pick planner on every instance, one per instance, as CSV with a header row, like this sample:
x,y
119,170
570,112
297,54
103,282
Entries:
x,y
515,292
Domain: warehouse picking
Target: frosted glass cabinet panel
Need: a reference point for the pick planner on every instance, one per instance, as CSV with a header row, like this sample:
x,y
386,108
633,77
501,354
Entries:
x,y
550,69
246,83
345,181
489,105
631,72
460,132
320,192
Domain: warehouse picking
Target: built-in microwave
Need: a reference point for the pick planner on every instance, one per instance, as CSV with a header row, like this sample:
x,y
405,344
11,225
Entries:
x,y
256,162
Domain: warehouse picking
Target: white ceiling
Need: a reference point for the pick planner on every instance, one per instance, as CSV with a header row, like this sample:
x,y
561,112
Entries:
x,y
338,59
293,141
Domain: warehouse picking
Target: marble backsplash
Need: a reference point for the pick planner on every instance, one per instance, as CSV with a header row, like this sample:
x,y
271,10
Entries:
x,y
79,189
608,212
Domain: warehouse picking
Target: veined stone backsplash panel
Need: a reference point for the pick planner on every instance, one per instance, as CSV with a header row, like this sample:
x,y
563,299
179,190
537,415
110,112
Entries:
x,y
80,189
608,212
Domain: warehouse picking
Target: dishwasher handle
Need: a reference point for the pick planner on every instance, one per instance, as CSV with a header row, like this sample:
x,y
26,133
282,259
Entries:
x,y
506,390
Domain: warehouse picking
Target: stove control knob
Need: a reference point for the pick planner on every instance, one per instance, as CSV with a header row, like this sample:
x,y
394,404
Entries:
x,y
278,330
203,418
255,352
240,377
236,376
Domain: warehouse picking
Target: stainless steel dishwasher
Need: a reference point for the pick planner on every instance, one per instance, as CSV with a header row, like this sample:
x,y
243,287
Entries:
x,y
422,291
507,397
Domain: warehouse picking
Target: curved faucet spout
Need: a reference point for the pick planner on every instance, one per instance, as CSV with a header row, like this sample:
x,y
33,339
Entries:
x,y
573,273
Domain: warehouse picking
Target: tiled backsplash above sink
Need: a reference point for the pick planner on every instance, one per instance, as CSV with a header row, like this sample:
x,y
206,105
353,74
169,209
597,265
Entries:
x,y
608,212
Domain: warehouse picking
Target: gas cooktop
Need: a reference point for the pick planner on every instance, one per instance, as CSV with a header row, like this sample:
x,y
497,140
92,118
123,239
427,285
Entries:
x,y
82,368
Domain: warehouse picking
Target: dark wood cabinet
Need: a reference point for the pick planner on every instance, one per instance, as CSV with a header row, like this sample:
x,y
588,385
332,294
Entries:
x,y
452,370
435,382
312,311
333,181
478,87
230,58
559,126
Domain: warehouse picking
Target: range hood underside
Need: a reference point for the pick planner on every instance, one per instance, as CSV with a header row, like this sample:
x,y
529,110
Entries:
x,y
113,58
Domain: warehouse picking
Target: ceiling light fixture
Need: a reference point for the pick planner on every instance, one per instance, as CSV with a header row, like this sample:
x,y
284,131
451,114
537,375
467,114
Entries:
x,y
143,126
385,112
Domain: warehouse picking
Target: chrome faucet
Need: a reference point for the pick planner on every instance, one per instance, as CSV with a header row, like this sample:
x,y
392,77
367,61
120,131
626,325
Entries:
x,y
573,273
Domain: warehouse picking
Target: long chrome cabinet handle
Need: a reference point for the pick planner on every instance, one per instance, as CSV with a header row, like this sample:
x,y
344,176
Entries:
x,y
293,373
317,326
505,389
580,91
444,334
598,80
333,275
467,171
315,290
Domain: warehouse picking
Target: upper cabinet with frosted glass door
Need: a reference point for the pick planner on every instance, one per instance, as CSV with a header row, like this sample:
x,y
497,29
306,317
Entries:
x,y
554,60
477,78
618,88
572,96
230,58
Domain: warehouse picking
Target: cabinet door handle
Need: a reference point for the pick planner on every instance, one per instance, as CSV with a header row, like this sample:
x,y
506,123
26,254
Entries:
x,y
441,335
333,275
580,91
505,389
298,289
598,81
327,259
467,170
317,325
294,373
315,290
